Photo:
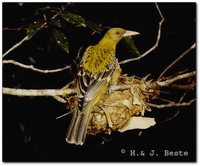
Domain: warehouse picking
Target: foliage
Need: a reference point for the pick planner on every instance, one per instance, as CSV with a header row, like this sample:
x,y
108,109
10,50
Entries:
x,y
62,17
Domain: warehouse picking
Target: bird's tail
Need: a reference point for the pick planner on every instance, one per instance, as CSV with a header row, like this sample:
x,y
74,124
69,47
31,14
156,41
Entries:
x,y
77,131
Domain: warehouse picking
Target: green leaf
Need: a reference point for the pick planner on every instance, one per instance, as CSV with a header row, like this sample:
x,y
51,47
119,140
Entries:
x,y
61,40
45,10
73,18
34,28
79,21
56,22
132,47
96,27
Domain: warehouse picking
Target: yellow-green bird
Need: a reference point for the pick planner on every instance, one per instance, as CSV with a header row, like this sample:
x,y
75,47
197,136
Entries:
x,y
94,74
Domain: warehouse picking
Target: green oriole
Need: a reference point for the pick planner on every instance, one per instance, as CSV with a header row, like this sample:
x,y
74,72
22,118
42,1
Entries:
x,y
94,74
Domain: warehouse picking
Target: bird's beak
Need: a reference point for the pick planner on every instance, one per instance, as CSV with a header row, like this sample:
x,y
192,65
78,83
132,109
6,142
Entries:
x,y
130,33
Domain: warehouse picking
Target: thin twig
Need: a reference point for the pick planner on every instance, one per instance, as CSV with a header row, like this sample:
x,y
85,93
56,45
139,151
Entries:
x,y
31,67
182,97
38,92
171,117
165,100
63,115
60,99
12,29
177,112
183,87
154,46
172,80
177,59
26,38
172,104
174,75
16,45
164,83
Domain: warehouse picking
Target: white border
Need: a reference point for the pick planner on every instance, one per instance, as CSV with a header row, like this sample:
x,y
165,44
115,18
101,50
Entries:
x,y
103,164
99,1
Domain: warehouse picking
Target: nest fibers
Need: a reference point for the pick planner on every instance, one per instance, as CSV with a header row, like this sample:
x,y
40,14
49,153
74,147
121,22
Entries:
x,y
123,108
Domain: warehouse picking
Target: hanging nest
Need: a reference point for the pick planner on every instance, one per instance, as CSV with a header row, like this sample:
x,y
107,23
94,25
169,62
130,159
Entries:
x,y
123,108
114,111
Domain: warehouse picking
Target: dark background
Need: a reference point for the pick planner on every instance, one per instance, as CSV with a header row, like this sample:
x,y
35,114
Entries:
x,y
30,129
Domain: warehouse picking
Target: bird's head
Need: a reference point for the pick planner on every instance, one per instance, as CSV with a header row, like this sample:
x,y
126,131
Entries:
x,y
116,34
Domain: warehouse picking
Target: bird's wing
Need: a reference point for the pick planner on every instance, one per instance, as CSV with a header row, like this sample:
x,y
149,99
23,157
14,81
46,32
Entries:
x,y
98,81
89,85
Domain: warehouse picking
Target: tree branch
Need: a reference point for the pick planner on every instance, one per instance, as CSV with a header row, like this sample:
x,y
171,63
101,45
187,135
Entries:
x,y
26,38
31,67
183,87
172,80
60,99
12,29
172,104
16,45
154,46
68,91
38,92
177,59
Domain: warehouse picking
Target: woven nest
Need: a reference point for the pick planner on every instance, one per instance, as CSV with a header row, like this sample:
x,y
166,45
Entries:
x,y
114,110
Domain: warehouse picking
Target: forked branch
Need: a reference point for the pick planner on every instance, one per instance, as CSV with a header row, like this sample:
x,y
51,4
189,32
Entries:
x,y
176,60
154,46
183,104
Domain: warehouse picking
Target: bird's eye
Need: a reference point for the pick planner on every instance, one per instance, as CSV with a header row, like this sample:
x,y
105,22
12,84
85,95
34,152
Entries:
x,y
117,33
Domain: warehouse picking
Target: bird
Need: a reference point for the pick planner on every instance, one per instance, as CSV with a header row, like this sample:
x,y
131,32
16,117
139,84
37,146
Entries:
x,y
93,78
